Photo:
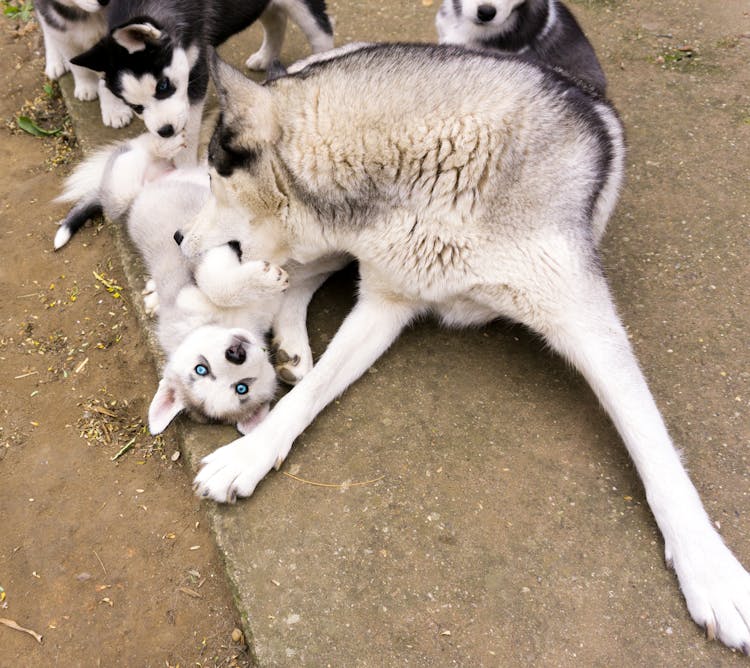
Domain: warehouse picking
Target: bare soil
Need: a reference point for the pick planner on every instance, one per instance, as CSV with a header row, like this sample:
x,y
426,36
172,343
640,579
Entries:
x,y
108,558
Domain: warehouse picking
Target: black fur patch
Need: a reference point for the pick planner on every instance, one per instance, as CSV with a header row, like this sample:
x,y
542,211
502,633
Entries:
x,y
224,155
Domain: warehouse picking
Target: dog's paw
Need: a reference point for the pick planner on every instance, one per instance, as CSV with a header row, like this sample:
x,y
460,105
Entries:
x,y
716,588
170,147
115,115
260,60
150,298
55,68
234,470
86,90
292,360
272,278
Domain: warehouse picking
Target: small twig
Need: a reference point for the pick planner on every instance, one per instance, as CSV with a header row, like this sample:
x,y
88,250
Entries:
x,y
11,624
24,375
101,563
124,449
329,484
189,592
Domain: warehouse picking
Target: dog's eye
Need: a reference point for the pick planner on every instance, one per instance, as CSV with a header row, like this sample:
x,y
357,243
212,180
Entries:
x,y
164,88
241,388
201,370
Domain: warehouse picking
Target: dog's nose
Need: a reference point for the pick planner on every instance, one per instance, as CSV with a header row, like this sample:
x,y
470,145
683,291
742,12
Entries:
x,y
485,13
178,237
103,3
235,354
166,131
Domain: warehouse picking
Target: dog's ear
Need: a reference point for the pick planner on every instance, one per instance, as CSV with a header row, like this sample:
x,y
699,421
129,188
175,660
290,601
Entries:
x,y
136,35
164,407
246,106
249,423
96,58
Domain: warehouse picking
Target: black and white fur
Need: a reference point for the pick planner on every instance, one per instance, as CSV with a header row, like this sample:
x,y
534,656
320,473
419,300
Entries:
x,y
542,29
153,59
70,27
490,205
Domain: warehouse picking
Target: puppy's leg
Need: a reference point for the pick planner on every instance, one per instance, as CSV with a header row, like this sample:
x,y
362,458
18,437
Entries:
x,y
227,282
55,62
311,17
188,156
293,355
86,83
365,334
115,113
581,323
274,27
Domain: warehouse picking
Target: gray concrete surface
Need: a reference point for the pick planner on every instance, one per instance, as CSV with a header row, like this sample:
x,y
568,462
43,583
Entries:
x,y
507,526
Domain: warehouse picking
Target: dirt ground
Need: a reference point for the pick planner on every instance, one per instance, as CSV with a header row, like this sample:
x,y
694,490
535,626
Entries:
x,y
126,573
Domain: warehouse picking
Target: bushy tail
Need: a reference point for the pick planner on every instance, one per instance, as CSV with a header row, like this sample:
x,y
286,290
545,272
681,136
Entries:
x,y
108,181
82,188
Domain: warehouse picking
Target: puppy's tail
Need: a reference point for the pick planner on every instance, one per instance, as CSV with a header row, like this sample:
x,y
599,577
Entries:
x,y
82,188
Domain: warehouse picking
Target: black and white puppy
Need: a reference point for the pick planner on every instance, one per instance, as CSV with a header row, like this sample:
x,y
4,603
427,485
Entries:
x,y
70,27
544,30
154,57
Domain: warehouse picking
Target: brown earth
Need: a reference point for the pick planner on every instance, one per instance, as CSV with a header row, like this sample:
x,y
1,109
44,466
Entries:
x,y
110,560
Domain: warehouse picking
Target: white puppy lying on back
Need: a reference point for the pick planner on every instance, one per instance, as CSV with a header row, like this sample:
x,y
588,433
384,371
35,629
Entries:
x,y
215,311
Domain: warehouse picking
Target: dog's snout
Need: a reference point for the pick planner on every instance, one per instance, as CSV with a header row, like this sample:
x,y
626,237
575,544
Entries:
x,y
103,3
178,237
236,354
166,130
485,13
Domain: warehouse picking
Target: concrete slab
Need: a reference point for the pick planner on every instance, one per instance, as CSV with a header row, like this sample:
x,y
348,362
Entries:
x,y
478,508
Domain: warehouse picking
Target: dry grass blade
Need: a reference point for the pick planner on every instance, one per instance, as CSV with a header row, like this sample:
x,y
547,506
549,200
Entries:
x,y
342,485
11,624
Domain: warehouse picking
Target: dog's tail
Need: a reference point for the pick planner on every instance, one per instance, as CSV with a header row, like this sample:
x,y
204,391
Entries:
x,y
83,189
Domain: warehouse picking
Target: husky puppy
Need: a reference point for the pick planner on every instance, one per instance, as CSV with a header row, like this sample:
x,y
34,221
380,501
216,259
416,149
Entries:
x,y
214,311
70,27
490,205
543,29
154,57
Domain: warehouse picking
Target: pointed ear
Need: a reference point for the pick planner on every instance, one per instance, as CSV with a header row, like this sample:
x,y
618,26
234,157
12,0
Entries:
x,y
248,106
249,423
136,36
164,407
96,58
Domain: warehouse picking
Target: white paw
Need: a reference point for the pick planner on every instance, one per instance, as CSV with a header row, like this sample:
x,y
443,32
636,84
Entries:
x,y
86,90
236,469
292,359
56,68
170,147
115,114
260,60
716,588
150,298
265,277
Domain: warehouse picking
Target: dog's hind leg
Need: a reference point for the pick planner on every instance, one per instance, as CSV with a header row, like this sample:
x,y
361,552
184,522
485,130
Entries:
x,y
273,21
577,317
311,17
364,336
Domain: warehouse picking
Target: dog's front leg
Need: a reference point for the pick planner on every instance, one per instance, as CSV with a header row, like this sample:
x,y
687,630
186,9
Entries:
x,y
366,333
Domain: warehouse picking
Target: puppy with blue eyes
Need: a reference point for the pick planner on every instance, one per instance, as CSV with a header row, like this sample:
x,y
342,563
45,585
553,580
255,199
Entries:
x,y
214,309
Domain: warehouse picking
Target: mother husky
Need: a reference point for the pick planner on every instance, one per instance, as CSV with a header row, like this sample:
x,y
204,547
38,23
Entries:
x,y
470,186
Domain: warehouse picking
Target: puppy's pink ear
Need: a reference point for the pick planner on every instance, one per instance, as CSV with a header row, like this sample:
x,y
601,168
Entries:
x,y
164,407
249,423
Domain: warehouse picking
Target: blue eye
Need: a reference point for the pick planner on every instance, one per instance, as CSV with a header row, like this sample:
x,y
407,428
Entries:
x,y
162,86
201,370
241,388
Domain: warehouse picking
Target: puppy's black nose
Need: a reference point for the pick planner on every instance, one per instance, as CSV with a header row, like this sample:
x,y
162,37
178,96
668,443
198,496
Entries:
x,y
485,13
103,3
235,354
165,131
178,237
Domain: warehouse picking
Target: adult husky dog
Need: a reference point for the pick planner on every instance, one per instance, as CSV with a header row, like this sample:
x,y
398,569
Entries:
x,y
70,27
154,57
542,29
470,186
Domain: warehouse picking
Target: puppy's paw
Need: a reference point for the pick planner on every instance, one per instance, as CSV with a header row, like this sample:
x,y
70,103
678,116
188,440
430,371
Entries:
x,y
234,470
170,147
292,360
86,90
716,588
260,60
150,298
115,114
